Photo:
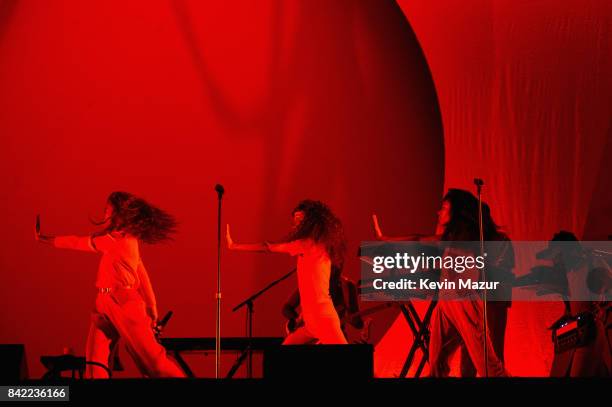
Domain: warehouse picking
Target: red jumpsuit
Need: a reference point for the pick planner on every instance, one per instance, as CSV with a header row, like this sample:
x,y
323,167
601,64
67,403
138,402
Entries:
x,y
321,320
458,321
124,293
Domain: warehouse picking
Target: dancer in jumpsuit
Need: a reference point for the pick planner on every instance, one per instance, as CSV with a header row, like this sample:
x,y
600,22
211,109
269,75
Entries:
x,y
125,306
458,323
318,242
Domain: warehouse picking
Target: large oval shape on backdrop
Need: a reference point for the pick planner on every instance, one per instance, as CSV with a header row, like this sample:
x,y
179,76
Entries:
x,y
276,100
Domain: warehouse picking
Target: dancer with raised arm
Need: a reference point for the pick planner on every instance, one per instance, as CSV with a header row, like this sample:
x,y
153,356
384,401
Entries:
x,y
317,239
457,323
125,306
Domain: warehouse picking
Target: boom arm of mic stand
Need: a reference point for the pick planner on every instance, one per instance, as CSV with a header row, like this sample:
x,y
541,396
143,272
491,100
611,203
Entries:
x,y
249,316
263,290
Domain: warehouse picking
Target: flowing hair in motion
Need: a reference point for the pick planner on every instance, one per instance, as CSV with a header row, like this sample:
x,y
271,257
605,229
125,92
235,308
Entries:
x,y
135,216
322,226
464,222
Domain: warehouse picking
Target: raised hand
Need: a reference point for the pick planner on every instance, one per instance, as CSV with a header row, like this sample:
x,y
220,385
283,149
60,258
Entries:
x,y
39,237
377,230
228,237
37,228
245,247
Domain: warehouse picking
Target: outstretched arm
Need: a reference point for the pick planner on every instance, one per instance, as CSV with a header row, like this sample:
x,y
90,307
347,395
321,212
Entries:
x,y
74,242
94,243
247,247
91,243
68,242
293,248
47,239
413,237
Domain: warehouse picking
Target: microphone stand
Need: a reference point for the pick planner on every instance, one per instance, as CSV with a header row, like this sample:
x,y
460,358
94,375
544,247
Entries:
x,y
220,191
249,303
479,183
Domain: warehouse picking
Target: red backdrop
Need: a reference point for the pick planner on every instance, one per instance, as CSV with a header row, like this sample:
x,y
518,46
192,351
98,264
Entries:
x,y
276,100
524,91
282,100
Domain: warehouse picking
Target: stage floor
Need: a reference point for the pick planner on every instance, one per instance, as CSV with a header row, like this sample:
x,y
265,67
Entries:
x,y
250,390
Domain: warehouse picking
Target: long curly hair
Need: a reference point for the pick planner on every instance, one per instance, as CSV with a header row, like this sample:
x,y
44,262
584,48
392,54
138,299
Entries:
x,y
463,224
135,216
322,226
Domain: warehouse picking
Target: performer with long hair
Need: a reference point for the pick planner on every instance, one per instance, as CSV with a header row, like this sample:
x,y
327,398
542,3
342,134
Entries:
x,y
317,239
125,306
458,323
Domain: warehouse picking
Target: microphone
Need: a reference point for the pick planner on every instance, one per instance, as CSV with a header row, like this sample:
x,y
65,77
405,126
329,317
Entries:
x,y
165,319
159,327
478,182
38,224
220,190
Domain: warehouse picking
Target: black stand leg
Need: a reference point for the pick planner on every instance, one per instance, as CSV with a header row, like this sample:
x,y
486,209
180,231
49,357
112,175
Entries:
x,y
183,364
421,336
239,361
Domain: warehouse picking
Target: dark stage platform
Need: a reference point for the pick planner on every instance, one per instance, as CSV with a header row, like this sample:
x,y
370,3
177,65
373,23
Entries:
x,y
258,390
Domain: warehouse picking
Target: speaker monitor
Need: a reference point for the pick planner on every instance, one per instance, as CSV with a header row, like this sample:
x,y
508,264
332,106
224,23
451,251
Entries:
x,y
13,367
319,361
